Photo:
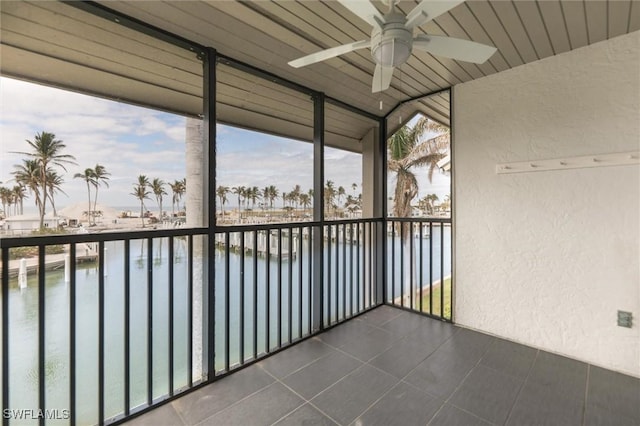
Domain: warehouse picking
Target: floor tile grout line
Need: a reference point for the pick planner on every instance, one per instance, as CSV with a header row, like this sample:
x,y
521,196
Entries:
x,y
446,401
340,348
378,399
421,361
524,383
473,414
457,330
422,390
323,413
182,419
586,396
237,402
356,358
305,365
342,379
430,354
243,398
306,401
496,340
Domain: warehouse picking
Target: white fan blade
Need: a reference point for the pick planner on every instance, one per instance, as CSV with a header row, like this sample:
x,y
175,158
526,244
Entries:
x,y
427,10
364,9
329,53
381,78
454,48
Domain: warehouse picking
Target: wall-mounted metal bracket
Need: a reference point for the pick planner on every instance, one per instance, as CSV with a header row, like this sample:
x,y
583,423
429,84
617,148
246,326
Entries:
x,y
600,160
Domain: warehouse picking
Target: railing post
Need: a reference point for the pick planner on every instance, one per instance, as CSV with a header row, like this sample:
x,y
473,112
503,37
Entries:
x,y
380,209
204,317
5,334
317,307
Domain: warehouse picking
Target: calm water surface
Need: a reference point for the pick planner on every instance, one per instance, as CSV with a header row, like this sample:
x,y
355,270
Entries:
x,y
23,330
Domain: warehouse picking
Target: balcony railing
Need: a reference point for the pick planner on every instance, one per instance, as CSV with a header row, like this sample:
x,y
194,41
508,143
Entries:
x,y
118,322
419,256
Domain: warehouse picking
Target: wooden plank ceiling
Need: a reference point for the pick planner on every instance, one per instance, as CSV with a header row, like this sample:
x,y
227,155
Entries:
x,y
57,44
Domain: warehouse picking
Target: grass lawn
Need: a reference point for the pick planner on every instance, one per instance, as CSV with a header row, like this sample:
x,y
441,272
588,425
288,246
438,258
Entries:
x,y
436,300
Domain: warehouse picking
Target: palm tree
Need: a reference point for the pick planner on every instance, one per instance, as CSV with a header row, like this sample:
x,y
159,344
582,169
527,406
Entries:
x,y
408,149
239,192
265,194
89,177
178,188
329,196
6,197
174,197
19,194
273,195
428,202
253,194
157,187
141,193
54,184
341,193
182,189
221,193
143,182
305,201
100,174
27,174
295,194
47,152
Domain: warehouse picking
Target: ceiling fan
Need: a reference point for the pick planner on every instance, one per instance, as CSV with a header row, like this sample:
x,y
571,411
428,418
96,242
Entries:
x,y
392,39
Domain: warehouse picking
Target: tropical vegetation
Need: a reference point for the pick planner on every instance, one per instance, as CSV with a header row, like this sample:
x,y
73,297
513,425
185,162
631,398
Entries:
x,y
409,149
38,172
93,178
141,193
294,202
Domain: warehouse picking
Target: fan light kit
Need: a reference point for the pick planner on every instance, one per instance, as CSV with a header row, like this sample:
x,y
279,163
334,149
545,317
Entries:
x,y
392,40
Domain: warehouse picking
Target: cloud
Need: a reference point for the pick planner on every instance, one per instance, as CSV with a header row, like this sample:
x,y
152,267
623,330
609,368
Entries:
x,y
127,140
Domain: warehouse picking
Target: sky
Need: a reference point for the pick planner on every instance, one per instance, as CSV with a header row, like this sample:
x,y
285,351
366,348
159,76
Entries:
x,y
127,140
130,141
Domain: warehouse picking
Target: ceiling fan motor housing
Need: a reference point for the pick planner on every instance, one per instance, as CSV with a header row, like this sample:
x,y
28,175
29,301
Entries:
x,y
391,42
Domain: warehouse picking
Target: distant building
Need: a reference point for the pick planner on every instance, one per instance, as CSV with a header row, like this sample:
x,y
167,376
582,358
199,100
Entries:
x,y
26,223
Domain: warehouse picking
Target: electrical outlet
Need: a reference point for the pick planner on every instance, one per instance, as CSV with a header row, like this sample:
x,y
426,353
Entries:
x,y
625,319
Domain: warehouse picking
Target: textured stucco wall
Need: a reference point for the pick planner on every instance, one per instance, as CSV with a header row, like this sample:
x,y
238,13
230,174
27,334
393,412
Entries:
x,y
547,258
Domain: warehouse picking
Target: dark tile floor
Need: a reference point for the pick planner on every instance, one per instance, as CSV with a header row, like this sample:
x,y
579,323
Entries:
x,y
392,367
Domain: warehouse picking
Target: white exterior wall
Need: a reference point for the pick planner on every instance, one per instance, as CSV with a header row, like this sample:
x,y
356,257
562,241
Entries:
x,y
547,258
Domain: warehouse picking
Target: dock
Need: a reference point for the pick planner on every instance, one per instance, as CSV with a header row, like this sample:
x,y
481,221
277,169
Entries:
x,y
53,262
236,246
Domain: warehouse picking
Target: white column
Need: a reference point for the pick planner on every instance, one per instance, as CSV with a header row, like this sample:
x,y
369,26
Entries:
x,y
195,196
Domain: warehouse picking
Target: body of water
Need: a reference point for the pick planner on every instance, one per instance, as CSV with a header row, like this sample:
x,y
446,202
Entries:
x,y
23,314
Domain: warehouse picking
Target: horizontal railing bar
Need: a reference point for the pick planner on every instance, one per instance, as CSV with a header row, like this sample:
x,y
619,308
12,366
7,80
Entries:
x,y
415,311
419,219
347,221
288,225
12,242
262,227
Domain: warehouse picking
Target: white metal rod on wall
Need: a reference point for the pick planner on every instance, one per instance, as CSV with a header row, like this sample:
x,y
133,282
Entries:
x,y
600,160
